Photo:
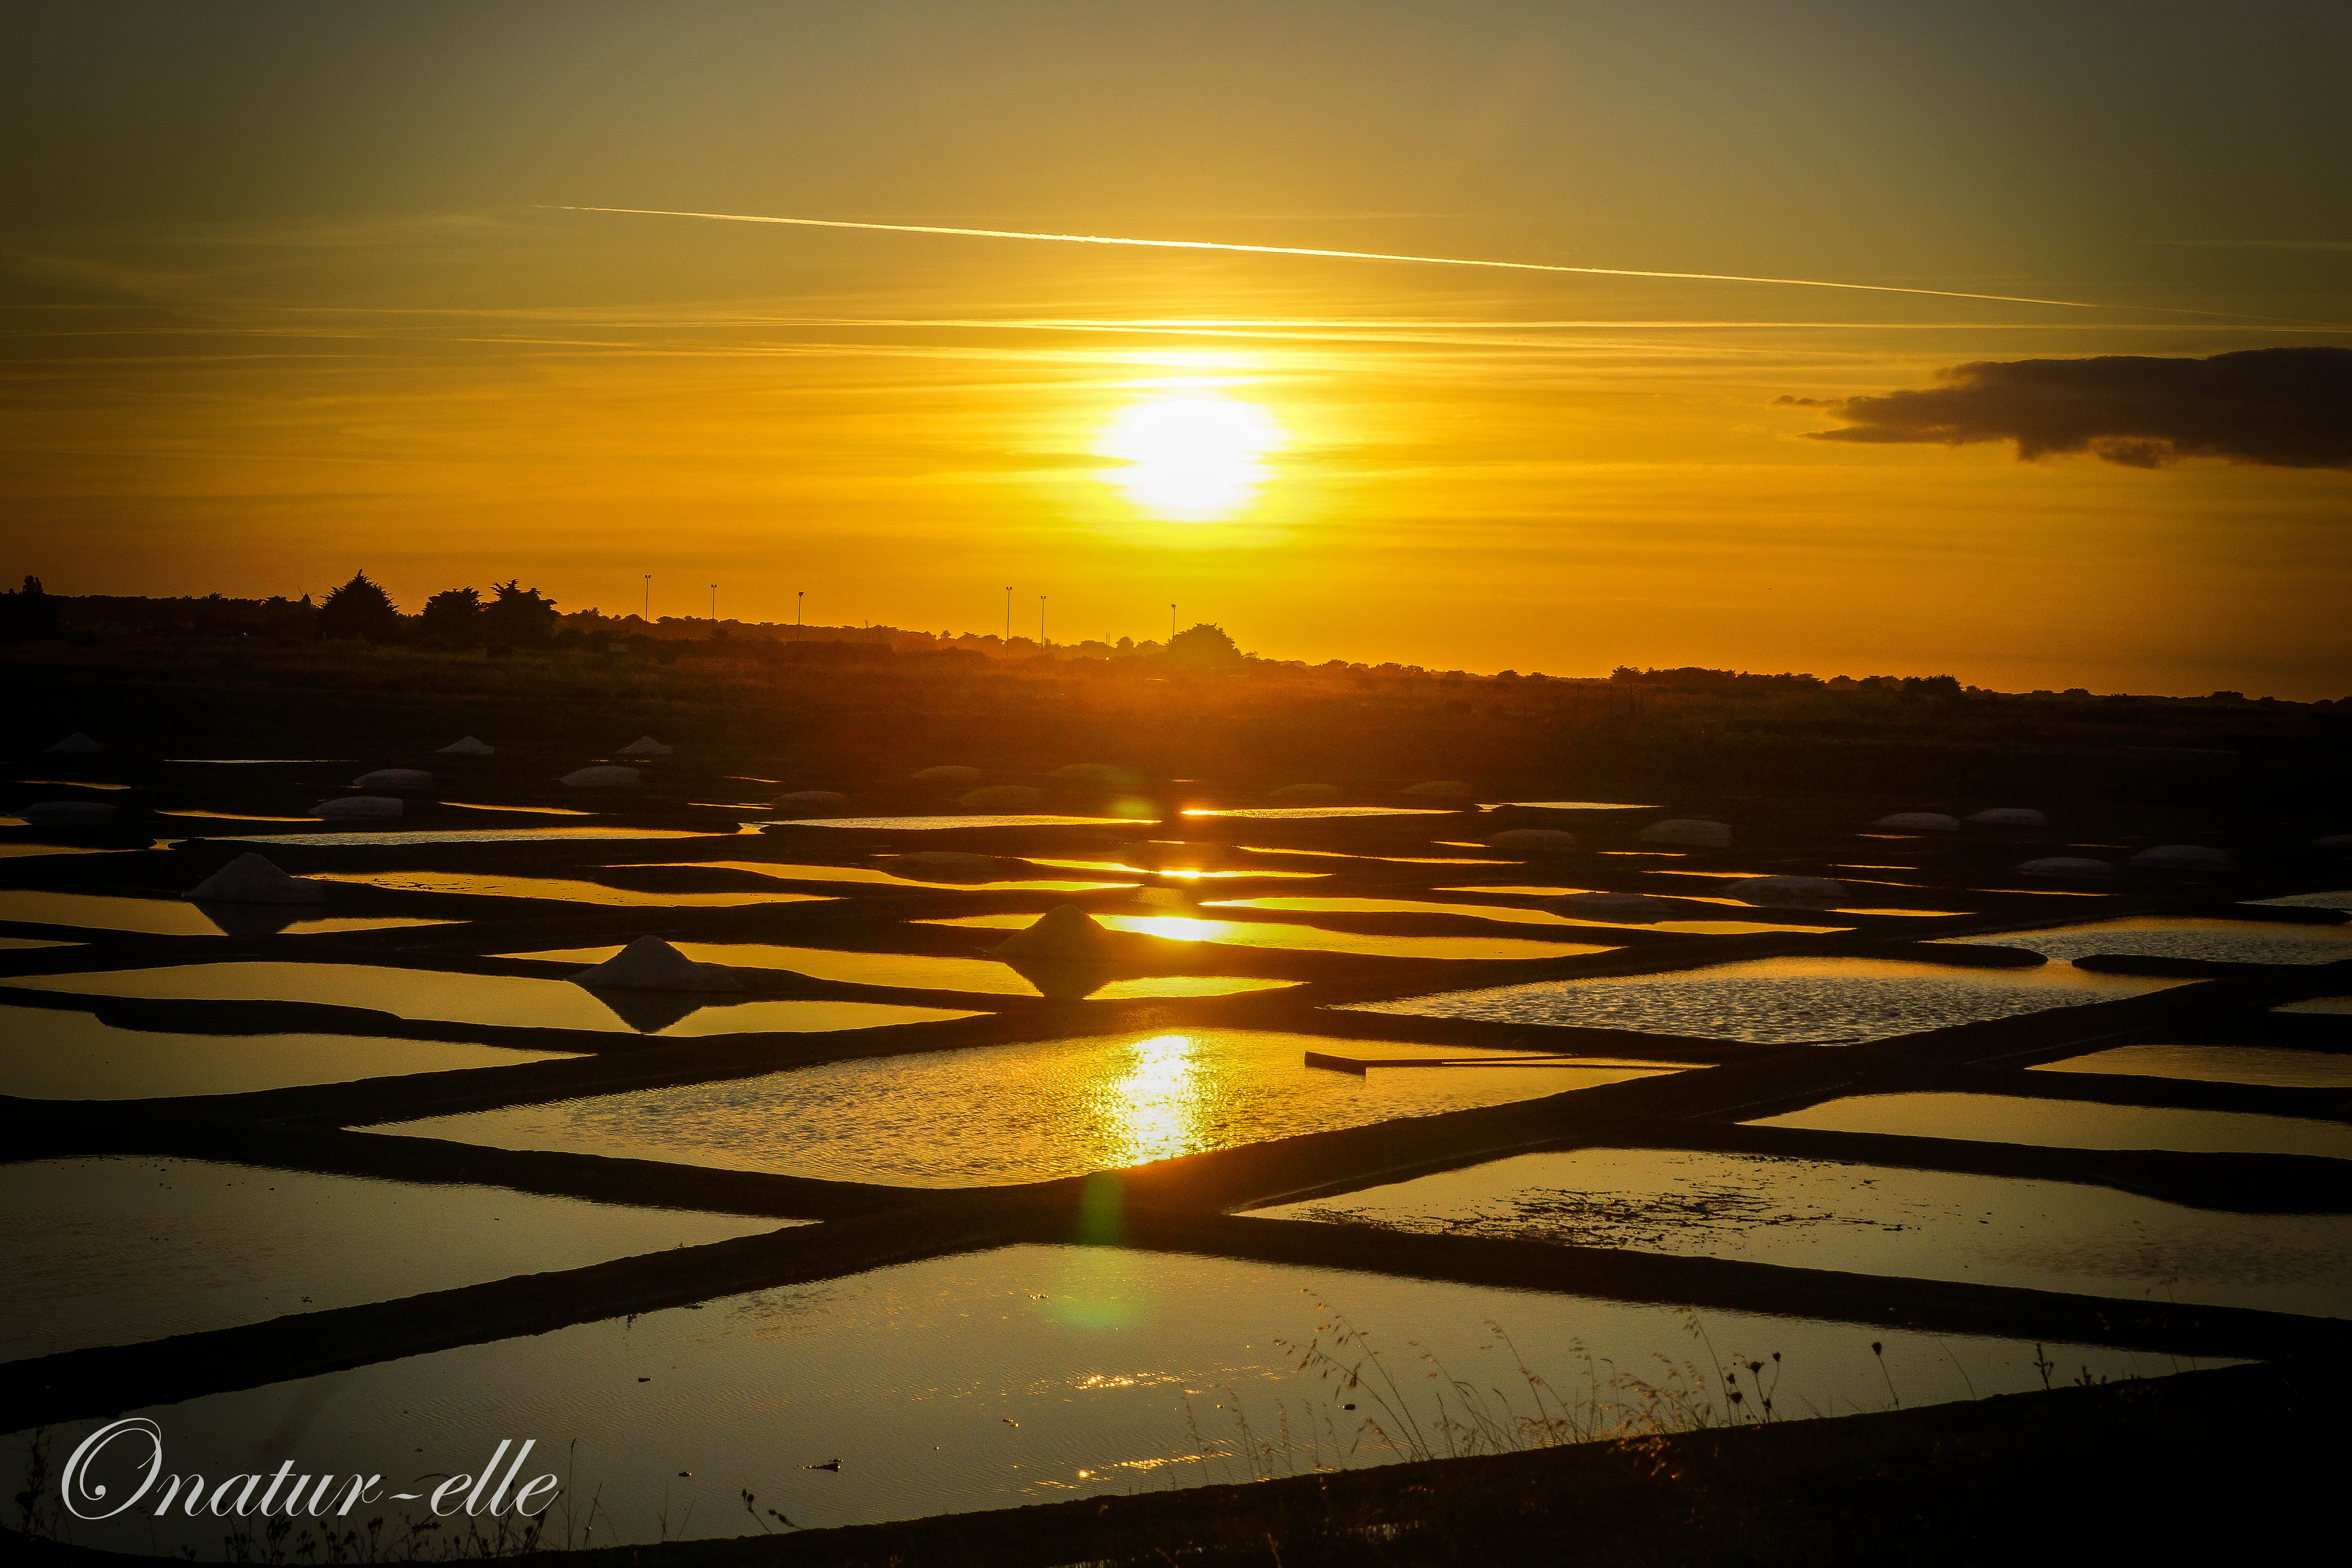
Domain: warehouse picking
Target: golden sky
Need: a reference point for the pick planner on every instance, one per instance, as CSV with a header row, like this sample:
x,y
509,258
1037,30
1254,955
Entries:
x,y
293,290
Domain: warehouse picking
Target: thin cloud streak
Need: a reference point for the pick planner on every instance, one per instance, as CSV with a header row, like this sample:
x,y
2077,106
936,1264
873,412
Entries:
x,y
1343,255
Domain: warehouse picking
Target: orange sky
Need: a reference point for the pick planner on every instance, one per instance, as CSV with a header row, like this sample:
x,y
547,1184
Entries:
x,y
289,295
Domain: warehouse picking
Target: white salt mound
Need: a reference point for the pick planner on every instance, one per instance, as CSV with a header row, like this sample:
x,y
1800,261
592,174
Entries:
x,y
1694,831
1794,893
948,773
603,776
74,745
1003,798
1532,841
2066,866
67,812
644,746
353,806
1306,792
2185,858
810,801
253,880
1442,789
394,778
649,964
2010,816
469,747
944,866
1065,932
1634,908
1918,822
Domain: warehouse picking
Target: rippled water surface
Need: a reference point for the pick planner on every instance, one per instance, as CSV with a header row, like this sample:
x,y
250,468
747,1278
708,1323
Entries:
x,y
999,1114
1877,1219
1783,1001
172,917
52,1053
1026,1375
118,1250
883,876
1279,933
2158,936
931,824
921,971
1511,913
2072,1124
496,999
2273,1065
570,890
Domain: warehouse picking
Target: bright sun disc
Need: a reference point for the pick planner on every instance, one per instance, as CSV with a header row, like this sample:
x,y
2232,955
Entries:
x,y
1191,458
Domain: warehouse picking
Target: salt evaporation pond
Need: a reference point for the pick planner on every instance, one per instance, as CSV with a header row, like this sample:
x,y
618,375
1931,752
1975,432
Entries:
x,y
920,972
2340,899
1304,938
2277,1065
934,824
120,1249
882,876
1876,1219
398,839
1515,914
2072,1124
448,996
1026,1375
1782,1001
566,890
2165,936
53,1053
172,917
1003,1114
1305,812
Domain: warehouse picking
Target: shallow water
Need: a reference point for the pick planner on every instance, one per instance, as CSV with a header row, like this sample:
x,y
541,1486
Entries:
x,y
2329,1004
229,816
571,890
1188,873
20,851
919,971
172,917
494,999
2163,936
1579,806
2072,1124
1305,812
1513,913
49,1052
883,876
1381,860
9,943
1783,1001
1024,1375
2273,1065
110,1251
1002,1114
931,824
2341,898
1877,1219
396,839
1274,933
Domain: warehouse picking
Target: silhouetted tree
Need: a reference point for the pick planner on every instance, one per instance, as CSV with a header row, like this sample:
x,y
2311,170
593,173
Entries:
x,y
27,613
455,613
358,609
517,615
1204,644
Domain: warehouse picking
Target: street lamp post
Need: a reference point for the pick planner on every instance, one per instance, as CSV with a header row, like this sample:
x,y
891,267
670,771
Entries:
x,y
1008,614
1171,622
800,605
648,616
1041,622
714,604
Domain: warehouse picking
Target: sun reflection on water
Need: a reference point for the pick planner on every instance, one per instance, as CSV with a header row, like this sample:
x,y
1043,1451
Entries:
x,y
1155,1110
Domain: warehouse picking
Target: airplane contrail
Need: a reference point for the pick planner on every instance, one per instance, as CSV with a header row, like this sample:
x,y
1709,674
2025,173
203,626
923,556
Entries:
x,y
1345,255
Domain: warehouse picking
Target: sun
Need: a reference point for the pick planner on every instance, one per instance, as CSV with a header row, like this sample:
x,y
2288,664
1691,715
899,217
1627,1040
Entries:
x,y
1193,456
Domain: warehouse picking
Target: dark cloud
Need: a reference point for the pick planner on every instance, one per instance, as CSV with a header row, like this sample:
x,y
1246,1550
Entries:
x,y
2288,408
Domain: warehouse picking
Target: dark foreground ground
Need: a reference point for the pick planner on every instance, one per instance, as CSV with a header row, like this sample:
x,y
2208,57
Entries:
x,y
2238,1463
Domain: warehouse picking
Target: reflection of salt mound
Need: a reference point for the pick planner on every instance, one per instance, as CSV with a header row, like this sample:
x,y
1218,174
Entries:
x,y
1004,797
1632,907
394,778
942,865
1106,774
2066,866
644,746
1526,841
649,964
469,747
812,802
604,776
357,805
68,814
255,879
1793,892
1918,822
74,745
1064,933
1306,792
1694,831
252,920
2010,816
1441,789
2185,858
948,773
